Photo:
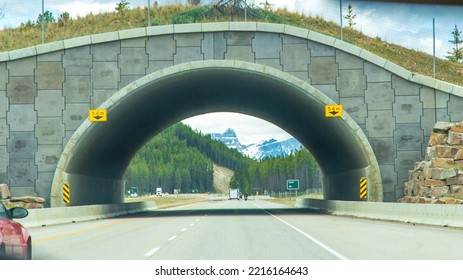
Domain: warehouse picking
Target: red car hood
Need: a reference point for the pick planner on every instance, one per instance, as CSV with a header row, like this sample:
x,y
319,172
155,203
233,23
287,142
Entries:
x,y
12,232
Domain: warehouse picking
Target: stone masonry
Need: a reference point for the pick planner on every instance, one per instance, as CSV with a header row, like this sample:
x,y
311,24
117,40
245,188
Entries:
x,y
47,90
28,202
440,175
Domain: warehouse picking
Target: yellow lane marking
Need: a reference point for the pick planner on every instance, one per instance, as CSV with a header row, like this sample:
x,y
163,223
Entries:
x,y
78,232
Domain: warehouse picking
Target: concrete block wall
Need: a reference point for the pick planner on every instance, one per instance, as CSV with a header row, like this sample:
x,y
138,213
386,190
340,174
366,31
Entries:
x,y
46,91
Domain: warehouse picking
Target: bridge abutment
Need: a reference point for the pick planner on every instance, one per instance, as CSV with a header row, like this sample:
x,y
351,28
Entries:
x,y
89,190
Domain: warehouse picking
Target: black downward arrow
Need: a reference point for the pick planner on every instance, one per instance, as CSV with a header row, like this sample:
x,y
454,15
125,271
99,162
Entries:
x,y
333,113
97,117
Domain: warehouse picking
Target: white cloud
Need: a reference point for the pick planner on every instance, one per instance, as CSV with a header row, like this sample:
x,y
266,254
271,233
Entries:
x,y
329,10
248,129
81,9
289,5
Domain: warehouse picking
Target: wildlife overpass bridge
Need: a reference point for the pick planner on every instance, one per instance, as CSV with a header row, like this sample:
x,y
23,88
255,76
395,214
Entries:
x,y
150,78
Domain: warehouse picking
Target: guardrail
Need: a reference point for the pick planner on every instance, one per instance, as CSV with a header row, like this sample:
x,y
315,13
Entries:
x,y
429,214
63,215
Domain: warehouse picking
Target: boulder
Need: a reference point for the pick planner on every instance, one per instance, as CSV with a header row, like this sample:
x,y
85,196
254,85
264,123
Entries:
x,y
442,174
458,155
412,187
456,189
4,191
457,128
423,192
28,199
457,180
408,189
405,199
448,200
433,183
424,200
442,162
455,138
427,173
438,191
430,153
443,127
445,151
437,139
415,199
27,205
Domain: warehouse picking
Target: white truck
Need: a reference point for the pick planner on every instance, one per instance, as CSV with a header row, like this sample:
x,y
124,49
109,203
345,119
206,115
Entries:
x,y
234,194
158,191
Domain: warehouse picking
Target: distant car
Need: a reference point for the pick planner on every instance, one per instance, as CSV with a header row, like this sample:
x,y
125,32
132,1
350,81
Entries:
x,y
233,194
15,240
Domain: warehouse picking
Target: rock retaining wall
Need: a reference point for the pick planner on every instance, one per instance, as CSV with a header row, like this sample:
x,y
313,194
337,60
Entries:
x,y
439,178
29,202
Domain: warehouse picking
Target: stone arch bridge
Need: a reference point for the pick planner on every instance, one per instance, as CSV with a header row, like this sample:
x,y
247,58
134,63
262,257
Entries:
x,y
150,78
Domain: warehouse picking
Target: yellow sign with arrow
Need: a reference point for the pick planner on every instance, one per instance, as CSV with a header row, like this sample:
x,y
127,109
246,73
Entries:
x,y
99,115
333,110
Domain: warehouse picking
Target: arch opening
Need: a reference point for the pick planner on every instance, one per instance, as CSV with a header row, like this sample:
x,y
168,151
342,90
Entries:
x,y
96,157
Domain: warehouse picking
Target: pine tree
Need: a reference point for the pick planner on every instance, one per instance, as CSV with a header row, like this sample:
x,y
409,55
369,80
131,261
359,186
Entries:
x,y
350,16
122,6
456,54
47,17
267,6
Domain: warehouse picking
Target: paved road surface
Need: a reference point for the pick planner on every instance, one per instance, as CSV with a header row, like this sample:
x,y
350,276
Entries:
x,y
238,230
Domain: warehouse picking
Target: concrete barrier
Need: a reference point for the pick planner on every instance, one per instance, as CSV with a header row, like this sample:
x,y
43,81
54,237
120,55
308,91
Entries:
x,y
429,214
63,215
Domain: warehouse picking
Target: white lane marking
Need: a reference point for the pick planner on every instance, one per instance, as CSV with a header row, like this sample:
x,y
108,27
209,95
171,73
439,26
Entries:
x,y
197,220
183,229
332,251
152,252
172,238
192,224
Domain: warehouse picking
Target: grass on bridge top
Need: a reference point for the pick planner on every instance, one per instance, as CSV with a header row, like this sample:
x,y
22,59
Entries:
x,y
29,34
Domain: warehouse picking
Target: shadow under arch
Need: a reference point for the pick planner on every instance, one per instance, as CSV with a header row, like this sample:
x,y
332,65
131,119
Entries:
x,y
95,159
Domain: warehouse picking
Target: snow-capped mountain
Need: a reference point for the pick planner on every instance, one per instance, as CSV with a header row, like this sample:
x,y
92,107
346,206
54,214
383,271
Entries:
x,y
261,150
272,148
230,139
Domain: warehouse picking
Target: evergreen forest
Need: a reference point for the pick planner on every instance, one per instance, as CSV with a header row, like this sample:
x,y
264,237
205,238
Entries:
x,y
181,158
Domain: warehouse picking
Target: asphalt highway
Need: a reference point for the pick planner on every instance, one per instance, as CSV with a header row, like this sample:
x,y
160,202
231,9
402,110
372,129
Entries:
x,y
244,230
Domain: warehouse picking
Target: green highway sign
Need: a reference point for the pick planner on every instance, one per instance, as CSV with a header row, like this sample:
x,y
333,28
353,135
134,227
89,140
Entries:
x,y
292,184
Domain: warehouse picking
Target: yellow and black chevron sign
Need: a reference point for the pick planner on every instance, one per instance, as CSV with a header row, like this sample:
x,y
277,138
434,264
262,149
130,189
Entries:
x,y
363,187
66,193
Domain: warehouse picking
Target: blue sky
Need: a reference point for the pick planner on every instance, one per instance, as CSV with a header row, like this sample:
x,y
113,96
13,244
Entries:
x,y
409,25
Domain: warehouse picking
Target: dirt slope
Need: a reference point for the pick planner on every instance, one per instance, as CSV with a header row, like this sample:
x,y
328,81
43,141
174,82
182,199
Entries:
x,y
222,177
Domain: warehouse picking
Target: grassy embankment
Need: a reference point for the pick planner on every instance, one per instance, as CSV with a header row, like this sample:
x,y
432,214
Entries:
x,y
418,62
